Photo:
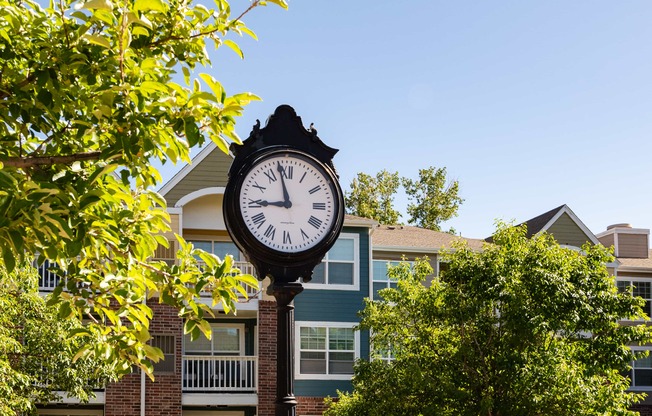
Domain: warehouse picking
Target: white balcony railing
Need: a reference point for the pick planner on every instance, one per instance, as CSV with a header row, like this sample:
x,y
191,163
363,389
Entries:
x,y
48,280
203,373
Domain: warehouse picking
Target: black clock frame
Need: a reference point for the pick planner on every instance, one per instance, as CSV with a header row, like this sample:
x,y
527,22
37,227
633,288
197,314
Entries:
x,y
284,133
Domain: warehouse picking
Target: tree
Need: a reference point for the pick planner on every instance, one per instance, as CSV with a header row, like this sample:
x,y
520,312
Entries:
x,y
37,354
524,327
89,98
434,201
373,197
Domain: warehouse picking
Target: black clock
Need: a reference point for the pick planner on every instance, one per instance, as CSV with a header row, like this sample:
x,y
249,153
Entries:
x,y
283,205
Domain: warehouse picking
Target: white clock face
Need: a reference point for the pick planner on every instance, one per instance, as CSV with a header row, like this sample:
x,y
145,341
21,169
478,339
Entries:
x,y
288,202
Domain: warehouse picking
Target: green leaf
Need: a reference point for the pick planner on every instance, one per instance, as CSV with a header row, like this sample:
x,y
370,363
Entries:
x,y
144,5
97,4
152,86
10,261
98,40
214,85
65,311
234,46
192,132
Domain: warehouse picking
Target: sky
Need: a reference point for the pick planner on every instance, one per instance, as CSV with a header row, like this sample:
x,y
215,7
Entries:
x,y
528,104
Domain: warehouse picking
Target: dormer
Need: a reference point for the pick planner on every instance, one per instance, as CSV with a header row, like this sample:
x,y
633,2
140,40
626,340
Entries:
x,y
628,242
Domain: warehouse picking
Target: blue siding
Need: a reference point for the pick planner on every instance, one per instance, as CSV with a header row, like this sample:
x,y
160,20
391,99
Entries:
x,y
335,306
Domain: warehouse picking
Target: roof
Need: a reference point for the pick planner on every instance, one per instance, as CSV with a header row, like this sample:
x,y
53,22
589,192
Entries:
x,y
639,263
397,237
353,220
546,220
537,224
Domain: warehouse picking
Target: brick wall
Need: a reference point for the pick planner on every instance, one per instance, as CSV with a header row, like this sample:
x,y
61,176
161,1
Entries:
x,y
266,357
310,406
163,396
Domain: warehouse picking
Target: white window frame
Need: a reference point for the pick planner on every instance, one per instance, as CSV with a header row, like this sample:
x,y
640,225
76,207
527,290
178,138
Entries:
x,y
356,268
632,387
213,352
631,281
387,281
236,256
318,324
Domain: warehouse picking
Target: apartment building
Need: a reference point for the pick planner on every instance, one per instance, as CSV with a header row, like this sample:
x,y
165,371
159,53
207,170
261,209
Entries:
x,y
234,372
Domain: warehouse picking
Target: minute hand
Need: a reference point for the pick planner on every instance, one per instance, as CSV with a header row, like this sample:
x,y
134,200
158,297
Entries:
x,y
286,196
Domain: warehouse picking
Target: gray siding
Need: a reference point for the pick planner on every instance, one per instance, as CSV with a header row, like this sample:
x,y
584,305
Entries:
x,y
210,172
567,232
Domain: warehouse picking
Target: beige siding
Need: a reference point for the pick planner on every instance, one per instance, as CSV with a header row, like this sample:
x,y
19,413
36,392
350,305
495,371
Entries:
x,y
607,240
174,223
632,245
567,232
210,172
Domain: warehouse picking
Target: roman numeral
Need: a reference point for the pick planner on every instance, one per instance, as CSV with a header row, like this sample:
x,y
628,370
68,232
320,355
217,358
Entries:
x,y
270,231
302,176
315,222
262,188
303,234
254,204
258,219
270,175
287,172
286,237
315,189
319,205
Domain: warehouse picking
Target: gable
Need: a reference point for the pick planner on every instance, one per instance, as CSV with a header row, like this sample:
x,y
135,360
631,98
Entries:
x,y
567,232
209,170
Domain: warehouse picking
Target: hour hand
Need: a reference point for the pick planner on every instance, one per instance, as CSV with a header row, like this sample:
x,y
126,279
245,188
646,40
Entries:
x,y
263,203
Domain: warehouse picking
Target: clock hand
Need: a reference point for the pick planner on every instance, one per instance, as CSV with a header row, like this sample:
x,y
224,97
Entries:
x,y
286,196
264,203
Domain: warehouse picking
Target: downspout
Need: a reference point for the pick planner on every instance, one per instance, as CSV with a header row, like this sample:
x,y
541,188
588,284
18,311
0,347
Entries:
x,y
142,393
142,378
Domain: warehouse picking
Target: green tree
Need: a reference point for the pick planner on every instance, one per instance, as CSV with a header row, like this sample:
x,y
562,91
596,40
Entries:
x,y
432,199
37,353
89,98
373,197
524,327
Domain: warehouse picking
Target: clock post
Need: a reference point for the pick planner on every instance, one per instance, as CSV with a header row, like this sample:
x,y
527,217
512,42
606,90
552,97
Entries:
x,y
284,209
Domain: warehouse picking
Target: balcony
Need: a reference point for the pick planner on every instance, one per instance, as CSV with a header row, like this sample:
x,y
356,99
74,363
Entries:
x,y
226,374
48,280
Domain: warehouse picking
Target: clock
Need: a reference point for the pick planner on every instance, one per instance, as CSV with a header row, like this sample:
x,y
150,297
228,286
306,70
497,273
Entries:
x,y
283,206
288,201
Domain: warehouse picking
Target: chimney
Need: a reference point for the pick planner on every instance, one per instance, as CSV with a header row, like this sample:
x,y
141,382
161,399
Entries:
x,y
627,241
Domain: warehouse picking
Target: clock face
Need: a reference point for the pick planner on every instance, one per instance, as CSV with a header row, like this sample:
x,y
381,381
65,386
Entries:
x,y
288,202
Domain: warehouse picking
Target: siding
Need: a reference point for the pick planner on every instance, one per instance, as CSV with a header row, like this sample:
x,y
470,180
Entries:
x,y
335,306
607,240
567,232
210,172
632,245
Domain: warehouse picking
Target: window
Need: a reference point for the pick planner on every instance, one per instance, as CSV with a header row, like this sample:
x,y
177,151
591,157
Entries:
x,y
226,339
339,268
219,248
642,288
326,350
166,343
380,280
641,372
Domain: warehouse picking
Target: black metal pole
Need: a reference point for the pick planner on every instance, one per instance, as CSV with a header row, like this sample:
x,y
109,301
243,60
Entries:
x,y
284,293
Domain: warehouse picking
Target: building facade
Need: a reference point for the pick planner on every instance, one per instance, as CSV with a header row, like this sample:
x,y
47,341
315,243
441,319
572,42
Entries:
x,y
234,372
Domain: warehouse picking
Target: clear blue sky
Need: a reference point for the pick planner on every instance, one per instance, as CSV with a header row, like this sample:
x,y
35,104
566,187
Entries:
x,y
529,104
